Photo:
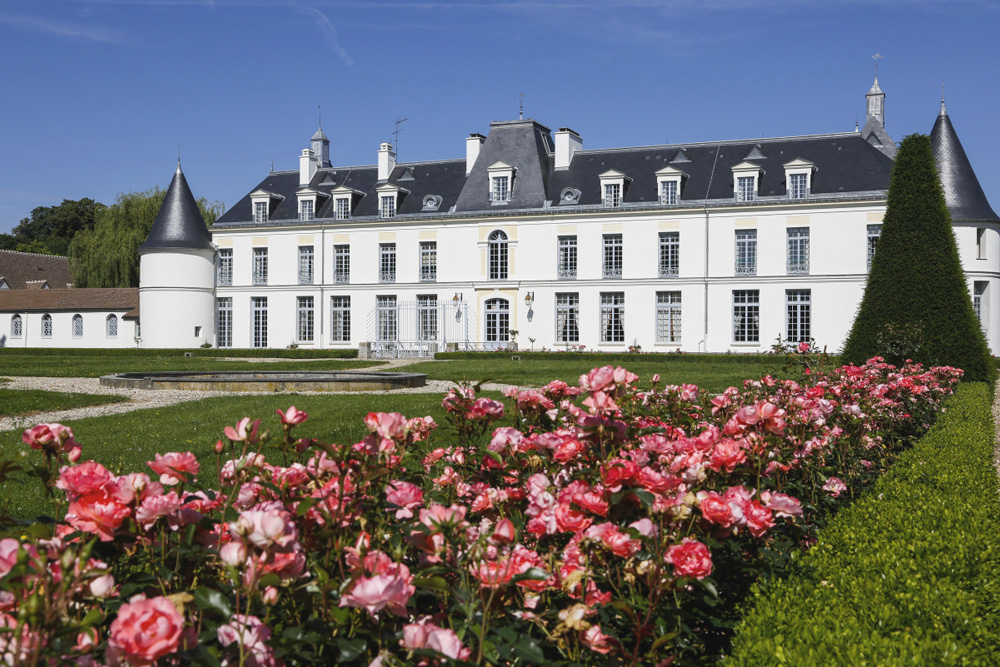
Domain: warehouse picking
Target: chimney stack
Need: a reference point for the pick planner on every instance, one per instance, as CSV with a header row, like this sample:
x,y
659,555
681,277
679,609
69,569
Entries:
x,y
472,145
568,143
386,161
307,166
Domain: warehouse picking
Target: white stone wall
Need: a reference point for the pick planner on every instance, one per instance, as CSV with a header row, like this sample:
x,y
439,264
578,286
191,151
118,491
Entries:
x,y
176,299
94,330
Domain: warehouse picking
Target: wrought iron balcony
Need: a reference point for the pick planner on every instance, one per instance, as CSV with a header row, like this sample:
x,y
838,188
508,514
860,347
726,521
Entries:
x,y
259,278
225,279
614,272
428,275
668,272
566,273
746,269
305,278
342,278
387,276
798,268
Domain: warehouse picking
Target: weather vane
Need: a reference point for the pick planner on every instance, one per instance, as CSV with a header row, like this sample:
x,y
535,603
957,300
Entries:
x,y
520,113
876,58
319,107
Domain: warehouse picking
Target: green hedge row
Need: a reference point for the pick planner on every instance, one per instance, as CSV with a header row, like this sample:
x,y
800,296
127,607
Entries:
x,y
282,353
908,575
623,357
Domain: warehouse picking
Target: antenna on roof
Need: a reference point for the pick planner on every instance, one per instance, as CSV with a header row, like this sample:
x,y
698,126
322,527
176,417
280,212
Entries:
x,y
520,112
395,134
272,165
876,58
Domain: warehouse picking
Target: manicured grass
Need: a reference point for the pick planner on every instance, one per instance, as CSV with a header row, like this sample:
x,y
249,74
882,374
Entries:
x,y
714,373
25,402
124,443
905,576
92,363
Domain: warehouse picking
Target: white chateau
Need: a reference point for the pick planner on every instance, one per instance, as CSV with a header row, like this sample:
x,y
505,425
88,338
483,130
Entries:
x,y
705,247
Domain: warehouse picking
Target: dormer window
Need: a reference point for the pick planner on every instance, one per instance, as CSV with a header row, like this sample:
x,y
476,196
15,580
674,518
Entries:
x,y
746,181
263,205
307,210
501,182
613,188
343,201
388,199
798,177
668,184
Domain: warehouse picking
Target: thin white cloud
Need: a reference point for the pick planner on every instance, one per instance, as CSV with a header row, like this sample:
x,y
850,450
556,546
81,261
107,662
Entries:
x,y
92,33
329,32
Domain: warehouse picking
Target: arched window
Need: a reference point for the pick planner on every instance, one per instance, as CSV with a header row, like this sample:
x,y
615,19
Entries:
x,y
15,326
498,255
497,321
78,326
46,326
112,326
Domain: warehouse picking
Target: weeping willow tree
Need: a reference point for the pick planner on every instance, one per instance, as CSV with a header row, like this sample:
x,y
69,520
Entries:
x,y
107,255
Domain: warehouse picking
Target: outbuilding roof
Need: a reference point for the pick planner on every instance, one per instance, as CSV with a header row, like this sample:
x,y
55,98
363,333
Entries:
x,y
51,300
26,270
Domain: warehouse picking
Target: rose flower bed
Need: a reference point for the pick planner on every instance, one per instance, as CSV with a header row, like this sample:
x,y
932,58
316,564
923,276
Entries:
x,y
583,525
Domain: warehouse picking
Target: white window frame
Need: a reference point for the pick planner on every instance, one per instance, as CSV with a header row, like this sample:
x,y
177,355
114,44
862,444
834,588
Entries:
x,y
745,190
259,266
745,263
799,168
387,262
16,326
670,254
307,208
613,184
566,257
340,319
111,326
305,309
387,319
501,183
342,263
567,317
387,205
613,256
224,321
981,243
746,316
307,264
497,323
612,317
77,325
225,277
498,255
427,317
342,206
258,321
874,234
798,315
668,317
797,250
668,185
261,211
428,261
262,205
979,302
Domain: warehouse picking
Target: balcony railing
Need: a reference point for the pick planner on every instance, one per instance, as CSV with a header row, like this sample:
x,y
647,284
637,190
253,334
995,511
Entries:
x,y
225,279
746,269
614,272
259,278
342,278
387,276
669,271
798,268
305,278
566,273
428,275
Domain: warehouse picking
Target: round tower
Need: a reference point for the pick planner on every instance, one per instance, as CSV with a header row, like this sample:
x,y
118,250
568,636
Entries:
x,y
177,274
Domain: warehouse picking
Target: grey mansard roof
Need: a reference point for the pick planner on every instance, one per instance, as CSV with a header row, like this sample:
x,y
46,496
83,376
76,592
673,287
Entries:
x,y
178,224
962,192
846,166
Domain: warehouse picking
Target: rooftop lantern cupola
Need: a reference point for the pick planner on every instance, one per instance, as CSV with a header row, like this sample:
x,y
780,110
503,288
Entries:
x,y
875,103
321,148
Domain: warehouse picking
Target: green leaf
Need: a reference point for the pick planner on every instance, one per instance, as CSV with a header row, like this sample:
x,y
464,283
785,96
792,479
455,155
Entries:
x,y
529,650
432,583
210,599
532,574
646,497
350,648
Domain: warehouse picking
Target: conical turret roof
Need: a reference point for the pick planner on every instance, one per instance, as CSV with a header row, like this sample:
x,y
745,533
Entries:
x,y
179,223
962,192
319,136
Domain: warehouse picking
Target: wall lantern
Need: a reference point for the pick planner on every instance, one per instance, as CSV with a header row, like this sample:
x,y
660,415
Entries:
x,y
529,299
457,297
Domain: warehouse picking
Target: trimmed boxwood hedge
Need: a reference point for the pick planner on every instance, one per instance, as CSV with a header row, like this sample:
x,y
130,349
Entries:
x,y
908,575
254,353
604,358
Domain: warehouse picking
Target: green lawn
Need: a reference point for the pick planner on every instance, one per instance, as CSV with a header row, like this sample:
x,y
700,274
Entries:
x,y
91,363
25,402
714,374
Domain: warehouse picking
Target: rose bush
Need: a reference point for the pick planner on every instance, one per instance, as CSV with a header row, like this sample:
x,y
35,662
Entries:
x,y
597,524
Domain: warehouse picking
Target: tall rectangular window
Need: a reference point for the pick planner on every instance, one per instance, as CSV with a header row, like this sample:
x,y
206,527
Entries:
x,y
797,186
612,317
387,262
428,261
427,317
260,212
260,266
387,319
307,211
566,261
306,265
225,266
668,317
612,195
342,208
670,254
746,188
500,189
798,315
668,193
387,206
979,301
224,321
258,306
746,316
306,319
613,256
340,319
874,232
568,317
746,252
341,263
980,243
797,259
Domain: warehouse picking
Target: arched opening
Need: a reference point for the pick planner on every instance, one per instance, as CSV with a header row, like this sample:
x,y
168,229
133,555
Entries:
x,y
111,326
46,326
78,326
498,263
16,327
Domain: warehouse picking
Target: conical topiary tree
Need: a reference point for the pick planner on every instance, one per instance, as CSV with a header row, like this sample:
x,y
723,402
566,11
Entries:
x,y
916,302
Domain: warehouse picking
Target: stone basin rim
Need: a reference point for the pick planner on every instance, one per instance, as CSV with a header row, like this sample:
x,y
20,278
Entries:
x,y
361,380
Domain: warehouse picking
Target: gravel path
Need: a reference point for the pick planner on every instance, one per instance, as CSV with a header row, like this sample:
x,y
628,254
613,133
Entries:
x,y
142,399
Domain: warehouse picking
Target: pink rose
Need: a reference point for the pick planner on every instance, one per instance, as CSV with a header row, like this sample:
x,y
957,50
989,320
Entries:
x,y
251,636
85,478
596,640
782,505
715,509
726,455
292,416
8,555
442,640
97,513
233,553
404,495
690,558
49,437
145,631
155,506
759,518
504,533
266,528
175,467
834,486
241,432
102,586
378,592
390,425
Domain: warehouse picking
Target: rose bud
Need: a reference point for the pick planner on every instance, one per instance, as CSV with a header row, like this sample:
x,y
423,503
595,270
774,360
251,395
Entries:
x,y
504,533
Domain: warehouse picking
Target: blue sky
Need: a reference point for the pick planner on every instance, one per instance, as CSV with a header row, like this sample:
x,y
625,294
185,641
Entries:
x,y
99,94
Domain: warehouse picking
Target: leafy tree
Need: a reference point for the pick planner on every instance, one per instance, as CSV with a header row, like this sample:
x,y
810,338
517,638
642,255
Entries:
x,y
107,255
50,229
916,302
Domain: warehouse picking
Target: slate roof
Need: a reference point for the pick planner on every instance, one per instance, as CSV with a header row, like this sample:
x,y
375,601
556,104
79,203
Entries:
x,y
962,192
25,270
179,223
116,298
847,166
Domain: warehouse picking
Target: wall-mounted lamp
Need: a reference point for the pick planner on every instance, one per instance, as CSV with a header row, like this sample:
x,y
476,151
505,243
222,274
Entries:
x,y
457,297
529,299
